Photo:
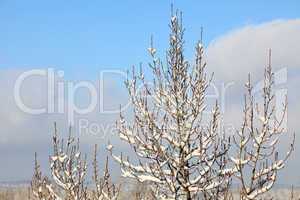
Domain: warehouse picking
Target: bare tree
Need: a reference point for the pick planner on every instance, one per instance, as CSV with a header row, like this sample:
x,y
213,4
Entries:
x,y
178,154
257,163
68,173
104,188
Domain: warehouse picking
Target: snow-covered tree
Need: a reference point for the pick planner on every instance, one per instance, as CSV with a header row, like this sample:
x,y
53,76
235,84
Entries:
x,y
68,175
257,160
178,149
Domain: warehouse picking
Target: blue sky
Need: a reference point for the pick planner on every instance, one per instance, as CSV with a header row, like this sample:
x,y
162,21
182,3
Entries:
x,y
92,35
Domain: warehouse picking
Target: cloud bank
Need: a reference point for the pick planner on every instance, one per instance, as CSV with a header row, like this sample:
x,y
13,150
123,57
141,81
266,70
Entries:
x,y
245,50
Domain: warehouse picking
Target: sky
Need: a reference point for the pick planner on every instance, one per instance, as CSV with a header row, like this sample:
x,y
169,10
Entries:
x,y
83,39
88,36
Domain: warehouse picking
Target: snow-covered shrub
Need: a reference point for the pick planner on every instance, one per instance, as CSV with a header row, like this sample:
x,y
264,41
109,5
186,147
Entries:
x,y
68,176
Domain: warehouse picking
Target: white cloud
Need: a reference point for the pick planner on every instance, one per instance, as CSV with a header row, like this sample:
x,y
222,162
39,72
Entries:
x,y
245,50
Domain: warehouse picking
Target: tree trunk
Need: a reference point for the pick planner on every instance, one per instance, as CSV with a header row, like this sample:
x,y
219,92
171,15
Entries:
x,y
188,195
